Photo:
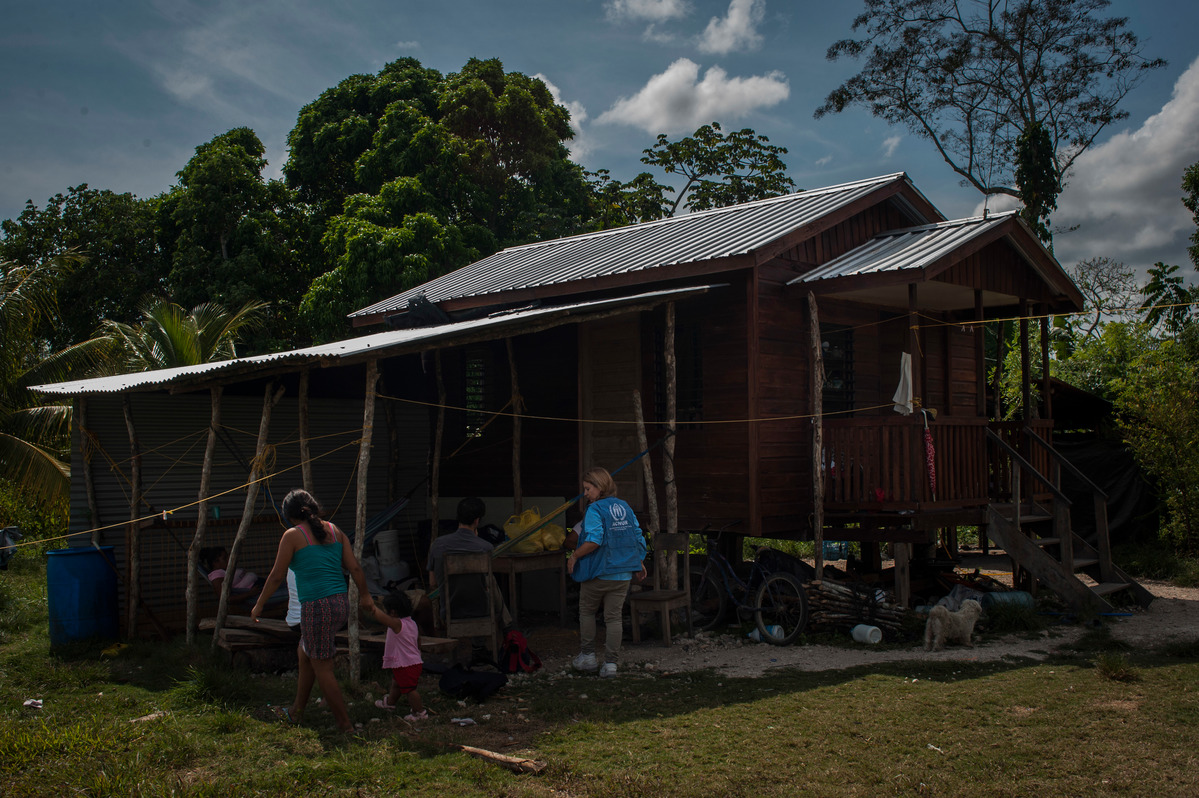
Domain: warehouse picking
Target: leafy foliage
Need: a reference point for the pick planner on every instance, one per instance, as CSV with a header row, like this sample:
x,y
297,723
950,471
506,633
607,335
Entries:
x,y
997,88
117,236
232,236
1168,302
719,169
170,337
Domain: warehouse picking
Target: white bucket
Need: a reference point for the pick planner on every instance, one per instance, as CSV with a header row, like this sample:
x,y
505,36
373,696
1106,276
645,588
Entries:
x,y
387,549
863,633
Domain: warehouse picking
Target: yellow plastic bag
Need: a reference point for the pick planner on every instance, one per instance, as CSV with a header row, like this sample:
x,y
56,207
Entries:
x,y
517,525
552,536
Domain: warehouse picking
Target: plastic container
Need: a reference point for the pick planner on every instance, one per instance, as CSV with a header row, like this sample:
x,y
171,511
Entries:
x,y
774,630
1020,598
387,549
864,633
81,589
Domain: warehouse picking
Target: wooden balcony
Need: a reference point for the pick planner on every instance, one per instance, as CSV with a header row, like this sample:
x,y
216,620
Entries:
x,y
881,463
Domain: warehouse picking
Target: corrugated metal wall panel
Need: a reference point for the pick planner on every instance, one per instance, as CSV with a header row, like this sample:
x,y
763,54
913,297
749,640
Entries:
x,y
172,434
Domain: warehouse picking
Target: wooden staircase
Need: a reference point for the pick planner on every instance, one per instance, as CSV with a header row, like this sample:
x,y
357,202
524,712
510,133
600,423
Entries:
x,y
1038,537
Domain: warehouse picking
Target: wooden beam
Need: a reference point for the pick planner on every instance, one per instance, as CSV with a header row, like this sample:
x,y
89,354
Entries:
x,y
360,517
668,475
133,592
302,411
518,408
271,396
193,551
817,394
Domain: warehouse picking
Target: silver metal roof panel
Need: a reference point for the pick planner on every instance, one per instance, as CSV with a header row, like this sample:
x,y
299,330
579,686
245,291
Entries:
x,y
386,344
702,236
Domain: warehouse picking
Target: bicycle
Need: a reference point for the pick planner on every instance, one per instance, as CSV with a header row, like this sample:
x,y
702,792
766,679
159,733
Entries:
x,y
775,599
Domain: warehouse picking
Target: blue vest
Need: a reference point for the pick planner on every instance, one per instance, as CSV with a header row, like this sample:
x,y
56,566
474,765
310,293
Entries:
x,y
623,548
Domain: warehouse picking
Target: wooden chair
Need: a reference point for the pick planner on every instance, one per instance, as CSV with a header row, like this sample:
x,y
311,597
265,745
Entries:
x,y
465,567
664,598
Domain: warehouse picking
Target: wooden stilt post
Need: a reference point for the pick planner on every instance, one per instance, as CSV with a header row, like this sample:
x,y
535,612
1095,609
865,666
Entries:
x,y
89,484
360,519
302,414
133,592
518,408
193,551
817,393
272,395
672,488
435,466
662,560
1046,386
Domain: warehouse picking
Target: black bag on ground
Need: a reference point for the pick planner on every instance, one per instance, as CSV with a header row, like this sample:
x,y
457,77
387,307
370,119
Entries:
x,y
515,655
773,560
458,682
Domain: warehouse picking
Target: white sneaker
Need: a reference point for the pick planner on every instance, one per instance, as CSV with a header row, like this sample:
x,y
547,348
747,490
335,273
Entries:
x,y
608,671
585,662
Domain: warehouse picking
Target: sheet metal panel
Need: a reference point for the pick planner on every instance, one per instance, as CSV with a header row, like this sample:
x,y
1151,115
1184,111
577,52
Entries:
x,y
696,237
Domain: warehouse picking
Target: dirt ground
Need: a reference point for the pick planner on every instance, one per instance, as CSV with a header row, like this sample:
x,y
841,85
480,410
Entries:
x,y
1173,615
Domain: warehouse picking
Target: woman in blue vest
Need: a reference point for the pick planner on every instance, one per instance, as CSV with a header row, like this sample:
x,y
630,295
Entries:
x,y
319,553
611,551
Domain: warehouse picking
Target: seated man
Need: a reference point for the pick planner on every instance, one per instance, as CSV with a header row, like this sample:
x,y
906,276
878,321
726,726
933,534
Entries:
x,y
465,540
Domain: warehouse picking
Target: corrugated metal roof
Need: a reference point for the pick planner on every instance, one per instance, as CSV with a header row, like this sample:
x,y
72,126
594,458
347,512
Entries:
x,y
392,342
912,248
707,235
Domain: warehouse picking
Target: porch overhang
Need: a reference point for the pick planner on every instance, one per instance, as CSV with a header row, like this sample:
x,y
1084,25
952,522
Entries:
x,y
392,343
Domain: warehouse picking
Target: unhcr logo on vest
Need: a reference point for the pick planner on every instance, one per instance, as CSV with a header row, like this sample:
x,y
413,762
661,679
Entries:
x,y
618,512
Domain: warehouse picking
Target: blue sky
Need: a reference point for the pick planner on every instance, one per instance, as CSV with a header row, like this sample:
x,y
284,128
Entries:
x,y
119,94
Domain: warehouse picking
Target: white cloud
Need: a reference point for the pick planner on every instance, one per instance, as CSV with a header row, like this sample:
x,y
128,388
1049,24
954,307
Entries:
x,y
1124,195
580,145
678,101
890,144
736,31
409,45
647,10
825,161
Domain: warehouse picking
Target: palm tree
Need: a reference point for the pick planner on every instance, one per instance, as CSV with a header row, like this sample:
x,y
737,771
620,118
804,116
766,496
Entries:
x,y
34,435
169,336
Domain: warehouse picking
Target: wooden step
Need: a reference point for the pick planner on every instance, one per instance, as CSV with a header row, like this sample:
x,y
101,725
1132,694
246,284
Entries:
x,y
1047,541
1107,588
1085,562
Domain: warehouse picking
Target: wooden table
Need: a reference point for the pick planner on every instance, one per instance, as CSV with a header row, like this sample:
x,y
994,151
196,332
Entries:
x,y
513,564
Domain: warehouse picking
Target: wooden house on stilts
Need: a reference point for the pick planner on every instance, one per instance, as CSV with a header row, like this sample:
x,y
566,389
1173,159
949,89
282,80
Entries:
x,y
525,366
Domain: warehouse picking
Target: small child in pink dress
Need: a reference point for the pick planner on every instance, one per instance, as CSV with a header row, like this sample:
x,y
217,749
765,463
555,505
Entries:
x,y
401,653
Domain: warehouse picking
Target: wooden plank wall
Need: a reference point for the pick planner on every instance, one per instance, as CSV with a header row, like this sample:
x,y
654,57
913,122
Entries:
x,y
609,369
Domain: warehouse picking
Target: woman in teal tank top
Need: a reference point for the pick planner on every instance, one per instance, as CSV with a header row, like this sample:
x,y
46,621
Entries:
x,y
319,554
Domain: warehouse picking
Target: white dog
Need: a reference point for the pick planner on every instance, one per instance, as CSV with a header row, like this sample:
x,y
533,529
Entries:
x,y
943,625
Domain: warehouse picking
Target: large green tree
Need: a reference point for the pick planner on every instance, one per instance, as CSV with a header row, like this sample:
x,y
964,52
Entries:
x,y
233,236
410,174
1009,93
123,263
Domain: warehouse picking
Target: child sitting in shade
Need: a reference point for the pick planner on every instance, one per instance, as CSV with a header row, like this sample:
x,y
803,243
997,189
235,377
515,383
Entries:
x,y
401,653
216,560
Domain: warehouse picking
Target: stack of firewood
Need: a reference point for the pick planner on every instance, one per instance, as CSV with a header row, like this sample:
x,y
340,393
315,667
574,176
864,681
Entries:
x,y
834,605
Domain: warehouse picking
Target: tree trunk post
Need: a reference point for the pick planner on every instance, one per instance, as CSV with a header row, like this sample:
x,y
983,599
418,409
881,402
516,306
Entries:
x,y
193,551
817,394
89,484
518,408
672,489
271,396
360,519
435,466
133,592
663,564
302,417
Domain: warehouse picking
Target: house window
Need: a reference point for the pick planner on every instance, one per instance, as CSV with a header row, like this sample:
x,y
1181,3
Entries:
x,y
836,344
689,375
479,372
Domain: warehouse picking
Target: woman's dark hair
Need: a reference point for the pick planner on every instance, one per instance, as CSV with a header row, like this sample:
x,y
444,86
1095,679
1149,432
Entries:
x,y
397,604
300,506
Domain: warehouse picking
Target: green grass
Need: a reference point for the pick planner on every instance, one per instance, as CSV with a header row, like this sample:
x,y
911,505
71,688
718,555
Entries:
x,y
162,719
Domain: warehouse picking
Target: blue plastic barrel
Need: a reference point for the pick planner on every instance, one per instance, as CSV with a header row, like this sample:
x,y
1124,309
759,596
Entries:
x,y
81,585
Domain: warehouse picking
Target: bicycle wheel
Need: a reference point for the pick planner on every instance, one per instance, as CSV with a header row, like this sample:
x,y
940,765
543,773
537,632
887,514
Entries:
x,y
707,600
781,609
